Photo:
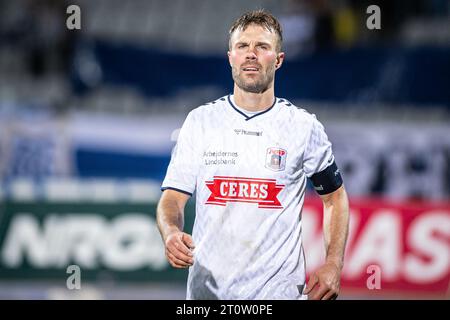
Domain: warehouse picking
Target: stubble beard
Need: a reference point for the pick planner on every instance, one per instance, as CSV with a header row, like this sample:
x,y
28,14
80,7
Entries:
x,y
259,86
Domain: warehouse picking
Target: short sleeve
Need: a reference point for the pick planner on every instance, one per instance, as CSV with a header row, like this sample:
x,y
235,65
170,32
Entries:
x,y
318,153
184,163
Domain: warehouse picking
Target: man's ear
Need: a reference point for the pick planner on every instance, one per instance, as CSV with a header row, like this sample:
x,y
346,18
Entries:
x,y
280,59
229,58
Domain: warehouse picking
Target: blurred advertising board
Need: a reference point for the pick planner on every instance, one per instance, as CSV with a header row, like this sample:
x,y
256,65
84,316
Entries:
x,y
108,241
406,244
394,248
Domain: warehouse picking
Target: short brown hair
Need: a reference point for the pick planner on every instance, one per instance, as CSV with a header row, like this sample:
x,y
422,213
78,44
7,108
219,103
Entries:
x,y
260,18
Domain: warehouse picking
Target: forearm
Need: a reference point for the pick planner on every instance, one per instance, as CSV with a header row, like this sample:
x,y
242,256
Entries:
x,y
169,216
335,226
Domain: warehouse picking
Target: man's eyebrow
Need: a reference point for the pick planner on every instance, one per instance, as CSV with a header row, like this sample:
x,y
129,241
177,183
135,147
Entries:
x,y
259,43
263,43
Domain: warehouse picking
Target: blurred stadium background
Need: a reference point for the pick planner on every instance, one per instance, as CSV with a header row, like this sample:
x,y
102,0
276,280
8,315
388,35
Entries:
x,y
88,119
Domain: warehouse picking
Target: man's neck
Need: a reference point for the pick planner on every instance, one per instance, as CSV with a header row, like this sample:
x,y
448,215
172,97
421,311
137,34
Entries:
x,y
253,101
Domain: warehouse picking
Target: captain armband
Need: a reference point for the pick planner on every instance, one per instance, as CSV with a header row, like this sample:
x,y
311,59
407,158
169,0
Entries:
x,y
328,180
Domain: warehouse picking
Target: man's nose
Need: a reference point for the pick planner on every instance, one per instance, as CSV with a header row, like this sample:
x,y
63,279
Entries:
x,y
251,54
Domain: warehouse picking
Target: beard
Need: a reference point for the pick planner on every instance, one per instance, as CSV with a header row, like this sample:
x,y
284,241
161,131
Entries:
x,y
255,85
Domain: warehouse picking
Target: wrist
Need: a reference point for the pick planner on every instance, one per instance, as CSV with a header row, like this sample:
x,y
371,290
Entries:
x,y
337,262
171,230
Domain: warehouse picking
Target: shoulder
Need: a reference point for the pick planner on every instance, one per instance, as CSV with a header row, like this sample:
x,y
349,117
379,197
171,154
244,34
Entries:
x,y
208,110
296,113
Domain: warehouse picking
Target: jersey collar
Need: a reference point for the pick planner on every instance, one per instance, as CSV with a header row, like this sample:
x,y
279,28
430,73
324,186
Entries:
x,y
247,118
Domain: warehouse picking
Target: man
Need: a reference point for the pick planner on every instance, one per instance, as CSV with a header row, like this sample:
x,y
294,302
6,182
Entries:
x,y
248,156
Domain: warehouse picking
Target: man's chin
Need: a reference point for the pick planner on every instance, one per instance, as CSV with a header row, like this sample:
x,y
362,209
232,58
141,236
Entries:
x,y
250,84
253,89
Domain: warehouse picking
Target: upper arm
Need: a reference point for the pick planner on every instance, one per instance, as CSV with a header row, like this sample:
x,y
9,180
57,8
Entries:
x,y
319,162
173,196
334,197
318,153
185,160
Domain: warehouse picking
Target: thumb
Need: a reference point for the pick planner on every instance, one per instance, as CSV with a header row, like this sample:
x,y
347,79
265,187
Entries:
x,y
187,239
311,283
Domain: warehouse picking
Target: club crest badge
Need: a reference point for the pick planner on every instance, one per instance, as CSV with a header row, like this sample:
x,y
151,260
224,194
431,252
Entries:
x,y
276,159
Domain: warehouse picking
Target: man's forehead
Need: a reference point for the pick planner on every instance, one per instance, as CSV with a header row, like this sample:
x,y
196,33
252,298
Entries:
x,y
254,32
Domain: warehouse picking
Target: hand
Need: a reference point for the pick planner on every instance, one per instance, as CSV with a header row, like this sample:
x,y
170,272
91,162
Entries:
x,y
324,284
179,246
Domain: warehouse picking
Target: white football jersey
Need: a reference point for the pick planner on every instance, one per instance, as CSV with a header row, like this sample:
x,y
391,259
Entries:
x,y
249,172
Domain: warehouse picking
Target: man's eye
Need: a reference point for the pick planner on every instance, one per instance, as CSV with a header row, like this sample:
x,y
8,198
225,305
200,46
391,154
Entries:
x,y
242,46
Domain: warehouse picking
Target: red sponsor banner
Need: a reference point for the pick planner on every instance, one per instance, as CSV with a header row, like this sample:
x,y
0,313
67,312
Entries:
x,y
393,248
239,189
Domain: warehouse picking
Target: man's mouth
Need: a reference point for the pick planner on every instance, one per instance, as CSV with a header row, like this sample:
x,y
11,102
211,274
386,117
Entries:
x,y
251,69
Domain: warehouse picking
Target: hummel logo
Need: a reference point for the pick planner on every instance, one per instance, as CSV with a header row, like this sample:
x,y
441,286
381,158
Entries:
x,y
249,133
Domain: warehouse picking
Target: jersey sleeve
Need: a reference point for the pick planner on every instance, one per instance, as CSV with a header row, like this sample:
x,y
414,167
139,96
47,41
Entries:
x,y
318,153
319,164
184,163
